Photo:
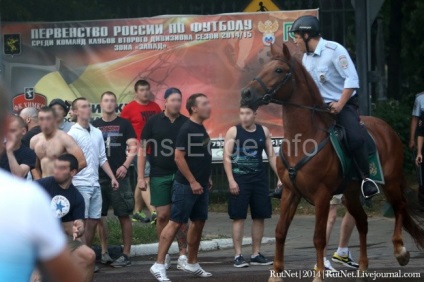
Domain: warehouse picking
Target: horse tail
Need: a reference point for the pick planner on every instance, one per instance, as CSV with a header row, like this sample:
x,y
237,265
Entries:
x,y
413,220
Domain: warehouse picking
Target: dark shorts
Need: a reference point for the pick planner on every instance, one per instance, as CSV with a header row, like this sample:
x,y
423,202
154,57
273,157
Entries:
x,y
255,195
186,205
161,190
122,200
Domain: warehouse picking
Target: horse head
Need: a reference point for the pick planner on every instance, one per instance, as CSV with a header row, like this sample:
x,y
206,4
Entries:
x,y
275,82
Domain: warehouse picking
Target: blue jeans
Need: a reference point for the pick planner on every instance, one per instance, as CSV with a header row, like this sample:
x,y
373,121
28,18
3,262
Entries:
x,y
186,205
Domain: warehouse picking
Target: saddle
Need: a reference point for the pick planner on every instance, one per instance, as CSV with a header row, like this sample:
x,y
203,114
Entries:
x,y
341,147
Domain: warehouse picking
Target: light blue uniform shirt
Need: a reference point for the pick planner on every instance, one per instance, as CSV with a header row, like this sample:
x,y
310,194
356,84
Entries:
x,y
332,70
418,105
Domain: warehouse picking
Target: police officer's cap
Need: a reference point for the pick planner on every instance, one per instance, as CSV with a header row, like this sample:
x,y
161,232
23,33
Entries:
x,y
306,24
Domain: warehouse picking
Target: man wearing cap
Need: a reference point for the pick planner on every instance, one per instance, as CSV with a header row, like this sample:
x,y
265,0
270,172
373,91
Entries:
x,y
334,73
160,134
61,110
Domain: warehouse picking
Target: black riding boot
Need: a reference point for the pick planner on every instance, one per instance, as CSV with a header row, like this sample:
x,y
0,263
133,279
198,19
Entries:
x,y
368,186
278,192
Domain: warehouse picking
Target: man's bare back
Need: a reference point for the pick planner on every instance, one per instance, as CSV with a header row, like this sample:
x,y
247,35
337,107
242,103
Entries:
x,y
49,148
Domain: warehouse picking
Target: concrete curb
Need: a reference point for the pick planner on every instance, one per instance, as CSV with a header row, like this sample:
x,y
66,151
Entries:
x,y
205,246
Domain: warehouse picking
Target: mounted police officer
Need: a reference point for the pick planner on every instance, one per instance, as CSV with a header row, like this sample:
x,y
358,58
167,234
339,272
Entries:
x,y
334,73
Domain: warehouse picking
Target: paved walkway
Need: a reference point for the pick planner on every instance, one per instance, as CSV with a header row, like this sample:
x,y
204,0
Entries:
x,y
300,253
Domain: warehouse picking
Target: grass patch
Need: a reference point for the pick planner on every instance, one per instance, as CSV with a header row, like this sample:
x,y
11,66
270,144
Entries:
x,y
143,233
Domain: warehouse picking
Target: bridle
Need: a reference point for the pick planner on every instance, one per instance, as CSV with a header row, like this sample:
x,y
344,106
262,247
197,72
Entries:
x,y
270,93
269,96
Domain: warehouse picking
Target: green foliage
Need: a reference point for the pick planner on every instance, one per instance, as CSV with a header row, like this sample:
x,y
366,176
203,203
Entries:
x,y
142,233
413,46
398,116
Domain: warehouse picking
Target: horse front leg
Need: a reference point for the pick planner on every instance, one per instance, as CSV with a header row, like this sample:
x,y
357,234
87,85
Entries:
x,y
288,205
322,207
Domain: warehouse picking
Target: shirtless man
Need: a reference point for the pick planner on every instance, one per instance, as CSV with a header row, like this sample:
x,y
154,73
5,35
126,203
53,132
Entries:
x,y
51,143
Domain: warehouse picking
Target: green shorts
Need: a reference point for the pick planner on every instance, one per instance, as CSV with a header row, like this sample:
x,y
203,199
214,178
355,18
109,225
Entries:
x,y
161,190
122,200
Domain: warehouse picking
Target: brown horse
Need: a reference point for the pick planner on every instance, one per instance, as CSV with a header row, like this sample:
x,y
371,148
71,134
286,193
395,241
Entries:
x,y
285,81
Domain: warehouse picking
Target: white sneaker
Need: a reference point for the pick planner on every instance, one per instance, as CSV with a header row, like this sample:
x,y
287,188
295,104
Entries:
x,y
182,261
327,265
167,261
196,270
159,272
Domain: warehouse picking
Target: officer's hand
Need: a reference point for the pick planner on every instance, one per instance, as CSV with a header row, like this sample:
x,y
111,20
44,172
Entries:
x,y
412,144
234,188
336,107
419,159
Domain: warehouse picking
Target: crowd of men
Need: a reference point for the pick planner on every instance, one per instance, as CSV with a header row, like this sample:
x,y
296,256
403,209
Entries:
x,y
83,166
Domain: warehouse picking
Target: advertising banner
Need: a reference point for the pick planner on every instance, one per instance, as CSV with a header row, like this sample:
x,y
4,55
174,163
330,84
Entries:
x,y
216,55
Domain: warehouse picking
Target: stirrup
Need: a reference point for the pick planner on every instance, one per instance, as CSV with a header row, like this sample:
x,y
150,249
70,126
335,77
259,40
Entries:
x,y
362,188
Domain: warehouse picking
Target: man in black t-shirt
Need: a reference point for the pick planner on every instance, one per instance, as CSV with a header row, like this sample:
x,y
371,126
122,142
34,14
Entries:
x,y
68,205
18,159
191,187
118,134
160,134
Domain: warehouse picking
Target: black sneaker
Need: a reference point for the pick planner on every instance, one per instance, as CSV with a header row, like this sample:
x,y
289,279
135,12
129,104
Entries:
x,y
260,260
369,188
240,262
122,261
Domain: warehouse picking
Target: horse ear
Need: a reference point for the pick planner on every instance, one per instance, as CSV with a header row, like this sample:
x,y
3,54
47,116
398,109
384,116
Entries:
x,y
286,52
275,51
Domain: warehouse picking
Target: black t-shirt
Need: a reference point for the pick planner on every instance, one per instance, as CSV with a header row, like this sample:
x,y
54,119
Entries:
x,y
194,140
67,204
23,155
116,134
31,133
161,136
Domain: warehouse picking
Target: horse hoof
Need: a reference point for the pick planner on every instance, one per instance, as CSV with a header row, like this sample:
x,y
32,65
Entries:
x,y
403,257
275,279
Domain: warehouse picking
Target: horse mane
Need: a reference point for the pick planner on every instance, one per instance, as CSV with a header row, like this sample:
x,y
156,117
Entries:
x,y
310,83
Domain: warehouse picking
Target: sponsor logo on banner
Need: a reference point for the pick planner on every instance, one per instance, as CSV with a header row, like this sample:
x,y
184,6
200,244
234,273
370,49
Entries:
x,y
268,28
12,44
286,31
28,99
